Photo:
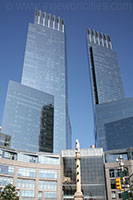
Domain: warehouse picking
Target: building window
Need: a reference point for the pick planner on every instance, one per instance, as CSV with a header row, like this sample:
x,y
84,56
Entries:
x,y
113,194
114,172
7,155
5,181
123,173
50,195
48,185
6,169
113,184
118,172
113,157
120,195
27,198
49,160
39,194
131,155
27,193
1,153
27,158
26,172
48,174
23,183
111,173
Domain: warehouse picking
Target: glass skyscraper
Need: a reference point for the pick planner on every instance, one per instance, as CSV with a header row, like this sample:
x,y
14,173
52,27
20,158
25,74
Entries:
x,y
45,70
28,118
113,113
104,69
114,124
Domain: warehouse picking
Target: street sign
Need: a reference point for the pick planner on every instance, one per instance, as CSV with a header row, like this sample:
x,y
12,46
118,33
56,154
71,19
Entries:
x,y
125,195
122,174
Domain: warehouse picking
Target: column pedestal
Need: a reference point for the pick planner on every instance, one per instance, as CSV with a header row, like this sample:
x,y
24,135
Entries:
x,y
78,196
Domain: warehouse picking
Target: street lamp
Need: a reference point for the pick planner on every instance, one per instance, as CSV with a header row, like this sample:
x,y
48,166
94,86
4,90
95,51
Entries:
x,y
122,175
123,171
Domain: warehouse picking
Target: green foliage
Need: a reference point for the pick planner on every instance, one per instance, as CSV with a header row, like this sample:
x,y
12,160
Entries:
x,y
131,193
9,193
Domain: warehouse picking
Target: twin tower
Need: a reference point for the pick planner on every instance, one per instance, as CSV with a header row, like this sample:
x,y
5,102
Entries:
x,y
36,111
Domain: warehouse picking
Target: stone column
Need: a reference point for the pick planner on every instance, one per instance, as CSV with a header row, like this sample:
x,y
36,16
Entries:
x,y
78,194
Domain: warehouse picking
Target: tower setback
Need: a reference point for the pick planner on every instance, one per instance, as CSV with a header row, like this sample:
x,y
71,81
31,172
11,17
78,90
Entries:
x,y
44,70
113,112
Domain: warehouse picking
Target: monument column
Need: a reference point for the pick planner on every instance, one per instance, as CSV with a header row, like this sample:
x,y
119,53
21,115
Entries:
x,y
78,194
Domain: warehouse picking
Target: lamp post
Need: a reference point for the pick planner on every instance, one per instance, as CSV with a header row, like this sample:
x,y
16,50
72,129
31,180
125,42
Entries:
x,y
122,168
124,186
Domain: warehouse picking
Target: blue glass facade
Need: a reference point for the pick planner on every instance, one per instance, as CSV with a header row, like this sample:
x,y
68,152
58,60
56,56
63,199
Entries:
x,y
28,118
104,69
92,174
43,83
114,122
45,70
113,113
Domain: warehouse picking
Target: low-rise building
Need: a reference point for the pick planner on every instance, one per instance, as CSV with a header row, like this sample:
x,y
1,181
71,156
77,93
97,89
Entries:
x,y
113,171
92,174
36,175
39,176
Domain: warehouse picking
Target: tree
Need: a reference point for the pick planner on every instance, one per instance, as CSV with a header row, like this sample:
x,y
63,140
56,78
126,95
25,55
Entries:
x,y
9,193
131,193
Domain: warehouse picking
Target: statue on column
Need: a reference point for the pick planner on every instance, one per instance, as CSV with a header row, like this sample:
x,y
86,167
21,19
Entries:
x,y
78,194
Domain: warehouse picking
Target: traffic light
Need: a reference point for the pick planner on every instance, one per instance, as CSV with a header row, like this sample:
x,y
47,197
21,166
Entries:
x,y
118,183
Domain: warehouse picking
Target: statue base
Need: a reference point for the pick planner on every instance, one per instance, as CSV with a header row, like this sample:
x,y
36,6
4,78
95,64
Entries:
x,y
78,196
